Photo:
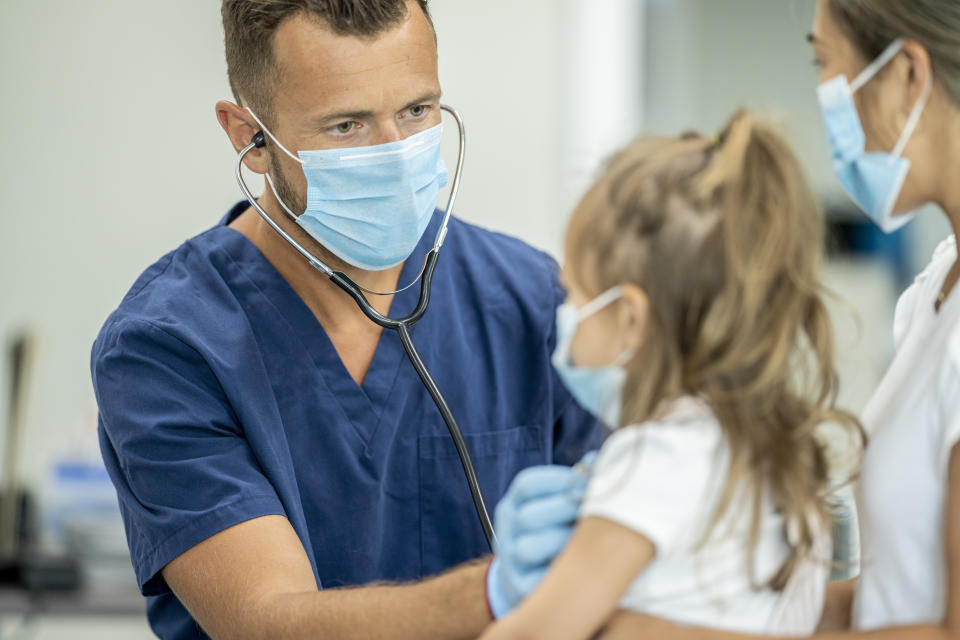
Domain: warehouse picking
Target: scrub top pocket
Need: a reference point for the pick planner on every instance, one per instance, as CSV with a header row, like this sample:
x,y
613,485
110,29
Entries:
x,y
446,507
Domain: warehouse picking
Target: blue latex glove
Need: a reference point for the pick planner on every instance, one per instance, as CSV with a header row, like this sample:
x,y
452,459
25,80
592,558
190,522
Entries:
x,y
533,521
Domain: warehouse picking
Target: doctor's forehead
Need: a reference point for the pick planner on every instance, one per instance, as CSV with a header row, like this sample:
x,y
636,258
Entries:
x,y
320,70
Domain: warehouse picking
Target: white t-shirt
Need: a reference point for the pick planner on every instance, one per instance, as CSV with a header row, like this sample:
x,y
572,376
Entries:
x,y
913,421
663,479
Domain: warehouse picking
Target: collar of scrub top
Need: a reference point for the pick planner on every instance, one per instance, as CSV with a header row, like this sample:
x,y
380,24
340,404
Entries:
x,y
429,260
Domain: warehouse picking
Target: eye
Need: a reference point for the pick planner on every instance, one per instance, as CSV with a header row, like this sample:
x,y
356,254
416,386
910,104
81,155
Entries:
x,y
344,127
419,110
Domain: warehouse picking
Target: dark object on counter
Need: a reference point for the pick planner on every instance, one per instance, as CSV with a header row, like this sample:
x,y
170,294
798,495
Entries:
x,y
21,564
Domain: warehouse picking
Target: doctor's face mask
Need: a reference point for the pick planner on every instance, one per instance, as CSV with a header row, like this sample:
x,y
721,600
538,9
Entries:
x,y
369,206
873,180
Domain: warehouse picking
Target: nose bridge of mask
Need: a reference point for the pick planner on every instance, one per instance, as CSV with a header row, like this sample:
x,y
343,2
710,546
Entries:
x,y
399,150
405,166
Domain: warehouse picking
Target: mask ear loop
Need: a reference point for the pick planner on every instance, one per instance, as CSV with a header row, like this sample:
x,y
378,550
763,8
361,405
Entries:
x,y
874,67
605,299
295,218
913,120
602,301
272,137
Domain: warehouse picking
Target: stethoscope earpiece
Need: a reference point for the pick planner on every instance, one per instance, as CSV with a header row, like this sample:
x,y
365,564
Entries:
x,y
258,140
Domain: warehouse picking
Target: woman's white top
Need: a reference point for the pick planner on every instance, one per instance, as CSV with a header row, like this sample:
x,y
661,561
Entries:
x,y
663,480
913,421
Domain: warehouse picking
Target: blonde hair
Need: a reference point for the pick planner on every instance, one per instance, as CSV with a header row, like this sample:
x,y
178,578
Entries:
x,y
724,237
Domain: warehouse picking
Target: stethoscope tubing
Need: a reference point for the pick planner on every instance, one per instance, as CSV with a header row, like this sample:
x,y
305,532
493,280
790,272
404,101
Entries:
x,y
401,325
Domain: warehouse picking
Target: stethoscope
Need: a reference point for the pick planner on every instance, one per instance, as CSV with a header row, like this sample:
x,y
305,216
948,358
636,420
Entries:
x,y
400,325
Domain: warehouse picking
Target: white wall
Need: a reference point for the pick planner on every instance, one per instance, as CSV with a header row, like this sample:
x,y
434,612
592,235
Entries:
x,y
113,154
707,58
548,88
112,158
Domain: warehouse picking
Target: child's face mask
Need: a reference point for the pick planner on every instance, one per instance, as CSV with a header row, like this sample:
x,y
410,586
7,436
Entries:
x,y
599,390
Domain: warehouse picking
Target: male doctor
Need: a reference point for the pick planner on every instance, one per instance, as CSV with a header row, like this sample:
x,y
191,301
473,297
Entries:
x,y
269,444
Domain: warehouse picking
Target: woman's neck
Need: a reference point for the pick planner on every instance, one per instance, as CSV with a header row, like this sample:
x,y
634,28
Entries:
x,y
950,203
949,197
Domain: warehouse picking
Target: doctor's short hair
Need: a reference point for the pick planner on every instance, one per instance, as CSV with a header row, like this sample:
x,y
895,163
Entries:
x,y
249,27
871,25
725,238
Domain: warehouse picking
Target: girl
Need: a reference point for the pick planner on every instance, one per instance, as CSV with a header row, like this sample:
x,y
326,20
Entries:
x,y
695,323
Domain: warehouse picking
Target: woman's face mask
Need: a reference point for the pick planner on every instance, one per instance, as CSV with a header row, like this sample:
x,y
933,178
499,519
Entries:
x,y
873,180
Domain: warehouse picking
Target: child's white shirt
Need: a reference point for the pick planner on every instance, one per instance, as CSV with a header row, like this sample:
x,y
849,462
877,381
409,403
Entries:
x,y
663,480
913,421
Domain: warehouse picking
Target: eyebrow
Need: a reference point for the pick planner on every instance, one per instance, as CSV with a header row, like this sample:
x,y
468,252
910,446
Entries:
x,y
362,114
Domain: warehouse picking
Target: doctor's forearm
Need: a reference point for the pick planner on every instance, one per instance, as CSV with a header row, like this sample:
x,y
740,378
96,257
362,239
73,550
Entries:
x,y
448,607
254,580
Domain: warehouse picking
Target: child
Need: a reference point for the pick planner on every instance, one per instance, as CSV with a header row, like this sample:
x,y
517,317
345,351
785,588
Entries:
x,y
694,323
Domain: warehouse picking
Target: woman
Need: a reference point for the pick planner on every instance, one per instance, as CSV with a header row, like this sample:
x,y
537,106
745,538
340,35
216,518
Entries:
x,y
890,93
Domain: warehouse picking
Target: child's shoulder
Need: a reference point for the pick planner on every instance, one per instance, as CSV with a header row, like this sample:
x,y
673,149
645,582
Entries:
x,y
685,428
659,477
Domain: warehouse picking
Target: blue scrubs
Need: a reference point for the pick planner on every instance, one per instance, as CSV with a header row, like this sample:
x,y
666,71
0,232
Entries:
x,y
222,399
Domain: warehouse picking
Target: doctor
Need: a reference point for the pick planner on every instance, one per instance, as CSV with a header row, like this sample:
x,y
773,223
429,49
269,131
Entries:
x,y
890,94
270,445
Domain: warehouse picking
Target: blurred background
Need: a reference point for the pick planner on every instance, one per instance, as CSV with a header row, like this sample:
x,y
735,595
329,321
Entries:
x,y
114,157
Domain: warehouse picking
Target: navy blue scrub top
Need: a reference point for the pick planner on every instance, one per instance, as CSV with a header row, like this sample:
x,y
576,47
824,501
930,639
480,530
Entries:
x,y
222,399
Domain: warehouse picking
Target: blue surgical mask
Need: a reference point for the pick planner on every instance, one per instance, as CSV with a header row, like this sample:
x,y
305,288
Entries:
x,y
599,390
370,206
873,180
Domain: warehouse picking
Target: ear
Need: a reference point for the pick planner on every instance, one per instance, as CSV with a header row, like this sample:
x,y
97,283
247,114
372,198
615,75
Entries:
x,y
920,73
635,314
241,128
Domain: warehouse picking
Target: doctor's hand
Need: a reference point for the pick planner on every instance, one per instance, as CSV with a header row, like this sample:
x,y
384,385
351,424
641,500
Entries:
x,y
534,521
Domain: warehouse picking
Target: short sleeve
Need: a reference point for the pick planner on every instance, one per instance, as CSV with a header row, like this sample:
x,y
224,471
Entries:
x,y
171,443
656,479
